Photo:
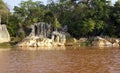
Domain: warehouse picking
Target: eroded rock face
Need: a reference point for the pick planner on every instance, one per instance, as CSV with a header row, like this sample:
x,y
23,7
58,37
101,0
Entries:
x,y
4,34
39,42
42,35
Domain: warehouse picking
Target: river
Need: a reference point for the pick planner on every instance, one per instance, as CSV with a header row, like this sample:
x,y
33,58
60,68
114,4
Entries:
x,y
71,60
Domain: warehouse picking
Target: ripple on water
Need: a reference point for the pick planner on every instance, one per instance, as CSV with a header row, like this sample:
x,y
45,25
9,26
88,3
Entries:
x,y
60,61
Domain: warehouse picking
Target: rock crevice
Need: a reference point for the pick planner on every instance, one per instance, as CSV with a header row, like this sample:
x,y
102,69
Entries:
x,y
43,35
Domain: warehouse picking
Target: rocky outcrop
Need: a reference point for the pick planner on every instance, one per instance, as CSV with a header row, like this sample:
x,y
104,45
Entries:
x,y
39,42
116,43
42,35
101,42
4,34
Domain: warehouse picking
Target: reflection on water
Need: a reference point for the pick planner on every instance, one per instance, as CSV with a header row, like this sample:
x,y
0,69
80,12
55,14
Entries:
x,y
61,61
43,48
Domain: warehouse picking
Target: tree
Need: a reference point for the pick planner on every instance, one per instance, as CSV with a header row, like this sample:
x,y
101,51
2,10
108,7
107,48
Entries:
x,y
30,12
115,18
83,17
13,25
3,11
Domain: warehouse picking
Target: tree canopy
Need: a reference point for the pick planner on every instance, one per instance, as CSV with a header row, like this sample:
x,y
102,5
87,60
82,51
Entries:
x,y
84,18
3,11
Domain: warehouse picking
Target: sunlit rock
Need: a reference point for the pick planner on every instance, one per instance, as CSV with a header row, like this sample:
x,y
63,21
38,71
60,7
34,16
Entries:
x,y
116,45
83,39
4,34
101,42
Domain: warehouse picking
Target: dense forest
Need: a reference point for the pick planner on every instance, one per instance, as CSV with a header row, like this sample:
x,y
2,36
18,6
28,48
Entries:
x,y
84,18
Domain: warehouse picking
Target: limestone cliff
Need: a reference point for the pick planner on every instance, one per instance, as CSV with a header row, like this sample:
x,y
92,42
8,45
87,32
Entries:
x,y
4,34
43,35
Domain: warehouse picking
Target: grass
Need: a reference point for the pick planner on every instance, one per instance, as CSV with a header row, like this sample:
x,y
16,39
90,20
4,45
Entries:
x,y
12,43
5,45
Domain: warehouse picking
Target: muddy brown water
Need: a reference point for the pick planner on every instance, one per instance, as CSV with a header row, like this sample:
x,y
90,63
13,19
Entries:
x,y
81,60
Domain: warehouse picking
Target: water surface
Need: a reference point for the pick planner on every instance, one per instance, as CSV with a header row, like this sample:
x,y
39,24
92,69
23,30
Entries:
x,y
82,60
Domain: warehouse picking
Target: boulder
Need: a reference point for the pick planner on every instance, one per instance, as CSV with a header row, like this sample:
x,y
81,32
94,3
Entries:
x,y
38,42
82,39
101,42
108,44
116,45
74,40
4,34
117,41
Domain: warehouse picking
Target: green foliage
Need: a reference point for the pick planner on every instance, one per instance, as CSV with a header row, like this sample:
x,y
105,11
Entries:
x,y
49,17
5,45
99,24
89,25
30,12
57,24
22,35
83,17
115,18
4,11
12,25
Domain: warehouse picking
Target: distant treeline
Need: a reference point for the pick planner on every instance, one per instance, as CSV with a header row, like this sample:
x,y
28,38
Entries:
x,y
83,17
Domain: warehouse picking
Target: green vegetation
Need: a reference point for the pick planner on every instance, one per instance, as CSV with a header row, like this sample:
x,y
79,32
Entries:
x,y
84,18
5,45
4,11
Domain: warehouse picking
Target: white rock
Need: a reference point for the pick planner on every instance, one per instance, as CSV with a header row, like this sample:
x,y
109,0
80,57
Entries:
x,y
116,45
4,34
101,42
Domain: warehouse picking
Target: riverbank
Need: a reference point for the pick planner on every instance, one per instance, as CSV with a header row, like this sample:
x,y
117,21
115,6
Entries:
x,y
11,44
72,42
94,41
